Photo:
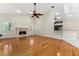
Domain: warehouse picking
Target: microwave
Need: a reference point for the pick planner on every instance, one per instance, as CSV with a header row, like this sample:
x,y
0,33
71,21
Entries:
x,y
58,27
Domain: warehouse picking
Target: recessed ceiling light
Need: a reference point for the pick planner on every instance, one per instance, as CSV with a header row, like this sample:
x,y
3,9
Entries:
x,y
18,11
69,15
57,13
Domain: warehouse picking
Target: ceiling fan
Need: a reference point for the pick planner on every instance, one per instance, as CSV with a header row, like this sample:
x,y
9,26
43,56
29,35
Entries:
x,y
35,14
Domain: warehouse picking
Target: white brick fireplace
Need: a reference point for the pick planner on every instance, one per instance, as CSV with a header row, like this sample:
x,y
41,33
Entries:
x,y
21,31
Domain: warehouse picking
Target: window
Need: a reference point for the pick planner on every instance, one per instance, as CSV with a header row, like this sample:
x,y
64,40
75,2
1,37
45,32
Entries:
x,y
71,8
67,8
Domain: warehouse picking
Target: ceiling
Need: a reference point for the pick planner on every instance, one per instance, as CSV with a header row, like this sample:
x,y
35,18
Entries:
x,y
24,7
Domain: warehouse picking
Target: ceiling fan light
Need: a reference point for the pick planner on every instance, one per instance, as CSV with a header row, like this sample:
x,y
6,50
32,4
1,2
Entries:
x,y
69,15
34,3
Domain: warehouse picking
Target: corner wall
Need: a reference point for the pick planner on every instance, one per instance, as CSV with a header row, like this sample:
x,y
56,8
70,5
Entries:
x,y
17,21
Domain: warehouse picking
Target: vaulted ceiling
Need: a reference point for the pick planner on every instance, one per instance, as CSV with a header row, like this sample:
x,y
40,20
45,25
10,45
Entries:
x,y
24,7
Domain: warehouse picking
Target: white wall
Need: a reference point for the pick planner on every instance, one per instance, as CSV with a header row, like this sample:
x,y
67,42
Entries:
x,y
17,21
71,23
45,25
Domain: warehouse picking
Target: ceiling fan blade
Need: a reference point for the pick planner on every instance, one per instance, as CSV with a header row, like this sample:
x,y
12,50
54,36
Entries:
x,y
32,16
37,16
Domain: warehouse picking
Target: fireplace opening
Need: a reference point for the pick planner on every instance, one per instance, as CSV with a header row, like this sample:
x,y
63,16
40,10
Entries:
x,y
1,35
22,32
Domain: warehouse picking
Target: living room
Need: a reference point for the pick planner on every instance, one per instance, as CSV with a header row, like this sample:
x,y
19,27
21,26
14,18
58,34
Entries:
x,y
30,26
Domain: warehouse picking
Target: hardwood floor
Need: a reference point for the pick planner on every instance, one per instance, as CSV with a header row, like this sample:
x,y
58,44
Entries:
x,y
36,46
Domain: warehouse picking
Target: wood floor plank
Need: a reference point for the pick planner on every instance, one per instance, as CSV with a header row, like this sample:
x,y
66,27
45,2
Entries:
x,y
36,45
